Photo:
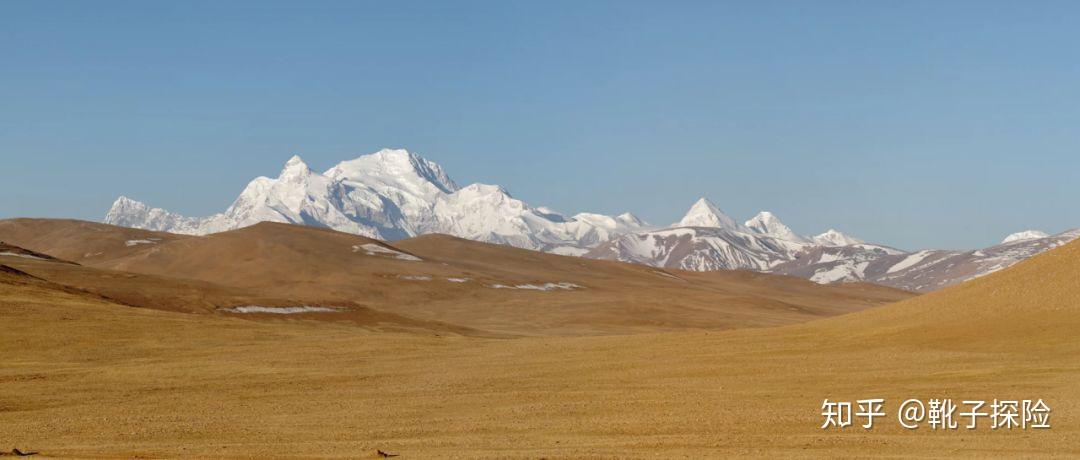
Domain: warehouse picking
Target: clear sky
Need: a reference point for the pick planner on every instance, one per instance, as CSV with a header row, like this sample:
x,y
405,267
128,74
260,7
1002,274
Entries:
x,y
916,124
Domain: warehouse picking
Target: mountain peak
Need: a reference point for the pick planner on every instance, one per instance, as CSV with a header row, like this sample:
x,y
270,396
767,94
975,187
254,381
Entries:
x,y
396,155
833,237
766,223
125,206
485,189
123,201
629,218
394,165
1025,235
763,217
294,168
705,214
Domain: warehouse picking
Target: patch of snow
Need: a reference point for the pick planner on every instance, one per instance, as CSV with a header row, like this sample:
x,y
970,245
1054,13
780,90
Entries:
x,y
415,277
841,272
373,249
281,310
568,251
909,261
458,280
25,256
542,287
130,243
666,274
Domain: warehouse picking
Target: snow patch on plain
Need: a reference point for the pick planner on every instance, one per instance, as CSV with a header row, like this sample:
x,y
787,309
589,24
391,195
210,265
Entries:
x,y
130,243
281,310
25,256
541,287
666,274
568,251
373,249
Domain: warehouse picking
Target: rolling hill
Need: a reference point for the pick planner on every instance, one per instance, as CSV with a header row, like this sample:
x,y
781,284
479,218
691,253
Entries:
x,y
478,286
86,377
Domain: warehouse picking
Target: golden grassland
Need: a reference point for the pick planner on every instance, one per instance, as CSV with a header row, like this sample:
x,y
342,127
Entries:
x,y
81,376
278,264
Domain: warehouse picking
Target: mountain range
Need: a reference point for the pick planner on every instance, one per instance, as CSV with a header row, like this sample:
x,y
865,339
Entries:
x,y
388,195
395,194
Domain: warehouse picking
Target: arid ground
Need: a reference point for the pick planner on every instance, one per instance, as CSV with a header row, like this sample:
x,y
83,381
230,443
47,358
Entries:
x,y
707,365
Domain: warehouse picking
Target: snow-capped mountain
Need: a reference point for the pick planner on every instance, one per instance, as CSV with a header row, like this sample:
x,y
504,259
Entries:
x,y
835,238
766,223
1025,235
764,243
394,194
696,248
390,194
920,271
707,239
705,214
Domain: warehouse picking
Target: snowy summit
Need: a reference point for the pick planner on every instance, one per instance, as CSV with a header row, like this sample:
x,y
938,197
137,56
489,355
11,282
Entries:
x,y
393,194
1024,236
766,223
390,194
705,214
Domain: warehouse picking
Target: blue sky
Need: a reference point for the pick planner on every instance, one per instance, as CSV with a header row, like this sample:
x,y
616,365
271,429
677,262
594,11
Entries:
x,y
915,124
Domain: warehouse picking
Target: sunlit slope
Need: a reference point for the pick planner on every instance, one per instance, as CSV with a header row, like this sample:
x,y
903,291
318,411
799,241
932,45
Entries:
x,y
158,292
495,288
87,378
80,241
1031,305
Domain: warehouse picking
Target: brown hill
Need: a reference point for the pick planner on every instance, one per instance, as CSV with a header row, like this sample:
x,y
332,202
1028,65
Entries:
x,y
1034,302
167,293
206,386
480,286
80,241
9,250
88,378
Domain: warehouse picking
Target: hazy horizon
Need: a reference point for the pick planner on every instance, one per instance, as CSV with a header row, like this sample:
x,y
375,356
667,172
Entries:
x,y
888,122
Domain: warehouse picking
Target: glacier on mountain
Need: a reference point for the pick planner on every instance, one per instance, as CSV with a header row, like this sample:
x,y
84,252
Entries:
x,y
395,194
705,214
707,239
1024,236
389,195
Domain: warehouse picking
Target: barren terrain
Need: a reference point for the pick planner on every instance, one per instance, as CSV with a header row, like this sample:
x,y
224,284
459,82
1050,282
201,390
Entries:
x,y
85,376
482,288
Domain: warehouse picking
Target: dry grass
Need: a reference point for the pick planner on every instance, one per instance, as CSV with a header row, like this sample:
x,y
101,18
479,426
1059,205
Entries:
x,y
82,377
274,264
